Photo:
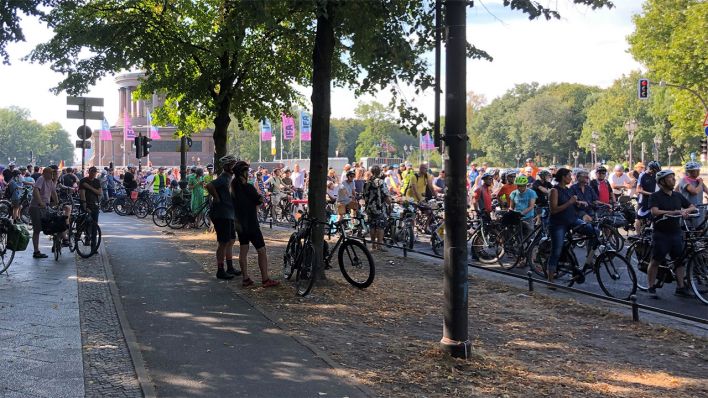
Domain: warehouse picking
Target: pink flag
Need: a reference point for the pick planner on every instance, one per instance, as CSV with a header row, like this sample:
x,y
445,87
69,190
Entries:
x,y
128,131
305,126
105,131
266,130
288,127
154,134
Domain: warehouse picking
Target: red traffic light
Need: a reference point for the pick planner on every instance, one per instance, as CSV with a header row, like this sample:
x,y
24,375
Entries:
x,y
643,89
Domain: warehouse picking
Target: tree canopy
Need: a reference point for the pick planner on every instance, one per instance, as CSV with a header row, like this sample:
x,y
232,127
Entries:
x,y
19,135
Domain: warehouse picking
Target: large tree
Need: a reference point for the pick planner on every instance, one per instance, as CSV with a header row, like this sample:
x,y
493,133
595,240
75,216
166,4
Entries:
x,y
212,59
20,135
670,39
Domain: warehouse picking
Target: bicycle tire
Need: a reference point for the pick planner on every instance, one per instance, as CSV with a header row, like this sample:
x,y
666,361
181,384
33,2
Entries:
x,y
6,255
175,217
359,273
121,207
613,239
408,237
539,252
613,272
437,244
24,214
306,272
639,255
141,208
83,240
697,273
56,247
508,239
290,256
159,216
5,209
481,245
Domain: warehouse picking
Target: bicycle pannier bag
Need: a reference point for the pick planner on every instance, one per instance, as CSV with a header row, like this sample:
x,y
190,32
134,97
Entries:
x,y
17,237
54,224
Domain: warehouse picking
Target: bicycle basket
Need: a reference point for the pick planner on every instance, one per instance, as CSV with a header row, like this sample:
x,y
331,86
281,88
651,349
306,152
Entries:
x,y
54,224
510,218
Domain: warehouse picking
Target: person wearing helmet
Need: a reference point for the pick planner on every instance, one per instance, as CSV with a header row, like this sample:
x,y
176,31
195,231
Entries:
x,y
129,181
646,186
542,186
601,187
531,169
523,200
667,237
245,203
620,182
504,193
376,199
222,215
691,186
482,196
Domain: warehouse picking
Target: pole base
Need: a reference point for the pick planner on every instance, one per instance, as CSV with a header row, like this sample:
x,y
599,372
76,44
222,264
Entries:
x,y
456,349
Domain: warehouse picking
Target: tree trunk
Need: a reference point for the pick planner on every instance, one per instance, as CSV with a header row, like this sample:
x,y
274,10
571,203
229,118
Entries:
x,y
221,125
321,110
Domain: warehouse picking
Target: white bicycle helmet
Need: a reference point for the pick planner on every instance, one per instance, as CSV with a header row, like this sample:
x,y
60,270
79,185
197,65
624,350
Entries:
x,y
663,173
228,159
692,166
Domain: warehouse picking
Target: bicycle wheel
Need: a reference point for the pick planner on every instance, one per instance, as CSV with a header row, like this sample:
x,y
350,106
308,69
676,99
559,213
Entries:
x,y
509,240
290,256
612,238
141,208
639,255
697,273
539,252
121,206
6,255
5,209
437,244
356,263
176,217
24,214
87,239
485,246
306,272
615,275
408,237
159,216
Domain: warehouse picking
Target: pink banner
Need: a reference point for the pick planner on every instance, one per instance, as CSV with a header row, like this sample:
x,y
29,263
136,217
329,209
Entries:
x,y
288,127
128,131
105,131
266,130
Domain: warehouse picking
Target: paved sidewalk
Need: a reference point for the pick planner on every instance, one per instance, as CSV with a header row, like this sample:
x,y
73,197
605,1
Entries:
x,y
196,336
40,337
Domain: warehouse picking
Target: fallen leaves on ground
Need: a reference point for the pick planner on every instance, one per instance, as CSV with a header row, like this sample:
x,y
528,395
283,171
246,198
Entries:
x,y
524,344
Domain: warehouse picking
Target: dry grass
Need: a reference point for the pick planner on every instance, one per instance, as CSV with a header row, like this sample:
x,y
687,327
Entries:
x,y
524,344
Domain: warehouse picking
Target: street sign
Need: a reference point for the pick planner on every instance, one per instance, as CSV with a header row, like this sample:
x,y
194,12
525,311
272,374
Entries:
x,y
706,131
85,104
86,144
84,132
705,121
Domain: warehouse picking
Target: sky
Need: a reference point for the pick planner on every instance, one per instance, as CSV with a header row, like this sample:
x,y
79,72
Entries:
x,y
585,46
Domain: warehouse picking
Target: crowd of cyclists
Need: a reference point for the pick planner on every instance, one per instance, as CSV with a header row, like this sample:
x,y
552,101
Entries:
x,y
559,198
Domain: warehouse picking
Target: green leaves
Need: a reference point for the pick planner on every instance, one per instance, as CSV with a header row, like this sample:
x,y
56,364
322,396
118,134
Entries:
x,y
19,135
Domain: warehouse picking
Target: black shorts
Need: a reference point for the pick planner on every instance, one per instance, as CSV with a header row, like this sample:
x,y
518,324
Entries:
x,y
225,231
667,244
254,236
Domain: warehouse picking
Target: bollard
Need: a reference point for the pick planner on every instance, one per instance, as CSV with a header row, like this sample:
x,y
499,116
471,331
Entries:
x,y
530,275
635,308
405,252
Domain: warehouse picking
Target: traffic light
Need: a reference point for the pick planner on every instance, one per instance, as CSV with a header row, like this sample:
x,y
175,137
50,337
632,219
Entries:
x,y
138,147
643,88
146,145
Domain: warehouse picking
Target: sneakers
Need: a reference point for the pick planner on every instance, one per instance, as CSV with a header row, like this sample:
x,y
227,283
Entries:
x,y
39,255
233,271
221,274
682,292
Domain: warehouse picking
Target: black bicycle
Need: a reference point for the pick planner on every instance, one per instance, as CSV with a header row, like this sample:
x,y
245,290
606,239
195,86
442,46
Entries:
x,y
86,234
6,254
355,260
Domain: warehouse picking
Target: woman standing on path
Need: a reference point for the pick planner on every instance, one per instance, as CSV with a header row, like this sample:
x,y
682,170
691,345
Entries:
x,y
246,201
196,185
376,199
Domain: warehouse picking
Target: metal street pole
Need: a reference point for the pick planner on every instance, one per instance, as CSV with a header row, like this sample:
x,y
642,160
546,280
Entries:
x,y
455,340
438,27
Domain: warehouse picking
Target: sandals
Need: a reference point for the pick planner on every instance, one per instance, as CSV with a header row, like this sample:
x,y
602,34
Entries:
x,y
247,282
270,283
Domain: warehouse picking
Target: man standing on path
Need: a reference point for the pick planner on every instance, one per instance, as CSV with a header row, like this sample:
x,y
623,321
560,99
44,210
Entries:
x,y
298,182
44,191
246,202
222,215
90,193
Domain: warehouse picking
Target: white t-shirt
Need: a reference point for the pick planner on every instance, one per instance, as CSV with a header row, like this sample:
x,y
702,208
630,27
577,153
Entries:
x,y
620,181
298,178
346,192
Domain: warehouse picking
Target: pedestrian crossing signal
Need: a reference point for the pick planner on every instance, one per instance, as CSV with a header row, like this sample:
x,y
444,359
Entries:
x,y
643,88
146,145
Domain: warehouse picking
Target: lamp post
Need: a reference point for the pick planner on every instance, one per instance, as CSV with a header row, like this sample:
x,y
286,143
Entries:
x,y
575,156
657,144
631,127
595,136
670,151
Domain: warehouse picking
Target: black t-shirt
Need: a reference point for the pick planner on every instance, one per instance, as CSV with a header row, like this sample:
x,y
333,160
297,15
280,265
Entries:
x,y
648,183
68,180
91,197
664,201
246,200
129,181
224,208
36,176
542,198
